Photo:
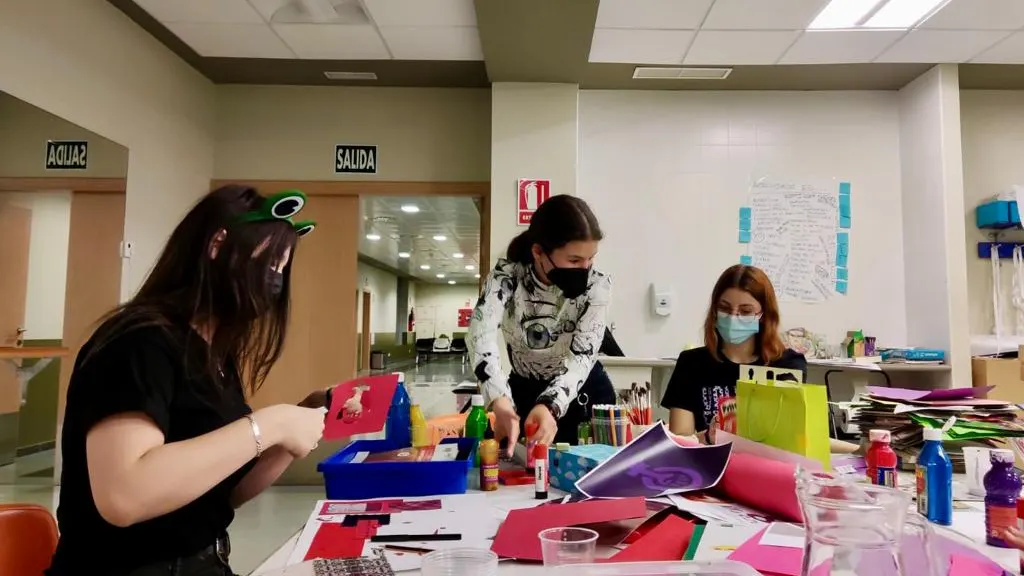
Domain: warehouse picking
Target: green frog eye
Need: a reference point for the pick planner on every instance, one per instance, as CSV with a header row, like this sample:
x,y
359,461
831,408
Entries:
x,y
304,227
285,204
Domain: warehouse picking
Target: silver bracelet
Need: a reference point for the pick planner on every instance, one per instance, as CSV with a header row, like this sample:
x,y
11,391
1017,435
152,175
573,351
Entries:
x,y
255,433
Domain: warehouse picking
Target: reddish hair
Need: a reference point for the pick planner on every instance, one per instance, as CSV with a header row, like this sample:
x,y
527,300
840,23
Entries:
x,y
755,282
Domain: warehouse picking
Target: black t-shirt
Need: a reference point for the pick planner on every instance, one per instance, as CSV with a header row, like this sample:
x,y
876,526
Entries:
x,y
161,373
704,386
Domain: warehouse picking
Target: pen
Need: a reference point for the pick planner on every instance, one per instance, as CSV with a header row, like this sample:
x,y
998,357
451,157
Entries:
x,y
409,549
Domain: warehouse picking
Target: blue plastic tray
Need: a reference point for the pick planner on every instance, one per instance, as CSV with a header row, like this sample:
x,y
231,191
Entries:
x,y
347,481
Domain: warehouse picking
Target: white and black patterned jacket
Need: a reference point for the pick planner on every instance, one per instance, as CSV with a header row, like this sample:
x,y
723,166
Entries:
x,y
548,336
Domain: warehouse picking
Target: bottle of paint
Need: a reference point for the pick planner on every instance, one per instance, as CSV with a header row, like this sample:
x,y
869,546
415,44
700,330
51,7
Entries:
x,y
881,459
420,434
1002,487
488,461
934,474
398,426
540,471
476,424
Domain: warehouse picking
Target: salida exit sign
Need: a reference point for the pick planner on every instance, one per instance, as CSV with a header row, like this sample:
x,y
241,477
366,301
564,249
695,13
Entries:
x,y
355,159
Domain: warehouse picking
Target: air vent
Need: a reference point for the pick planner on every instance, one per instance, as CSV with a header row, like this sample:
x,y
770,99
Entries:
x,y
662,73
351,75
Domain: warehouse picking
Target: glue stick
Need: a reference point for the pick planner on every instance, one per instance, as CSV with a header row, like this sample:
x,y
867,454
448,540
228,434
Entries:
x,y
540,475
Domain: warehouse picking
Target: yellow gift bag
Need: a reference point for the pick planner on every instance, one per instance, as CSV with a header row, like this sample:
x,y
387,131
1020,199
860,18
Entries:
x,y
787,415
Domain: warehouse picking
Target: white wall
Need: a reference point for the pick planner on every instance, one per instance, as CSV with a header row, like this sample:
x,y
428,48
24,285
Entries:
x,y
121,83
383,289
992,125
666,173
47,261
441,302
933,217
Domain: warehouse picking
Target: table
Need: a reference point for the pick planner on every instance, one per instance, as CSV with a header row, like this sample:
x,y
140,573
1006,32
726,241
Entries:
x,y
17,356
968,527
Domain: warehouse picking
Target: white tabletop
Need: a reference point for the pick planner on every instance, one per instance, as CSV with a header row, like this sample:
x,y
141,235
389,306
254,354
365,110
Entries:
x,y
968,527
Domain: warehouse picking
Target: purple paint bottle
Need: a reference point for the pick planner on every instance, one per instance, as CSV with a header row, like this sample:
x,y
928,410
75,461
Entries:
x,y
1002,488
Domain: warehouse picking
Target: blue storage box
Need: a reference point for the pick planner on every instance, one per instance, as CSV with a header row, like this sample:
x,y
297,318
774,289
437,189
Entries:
x,y
997,214
345,480
568,467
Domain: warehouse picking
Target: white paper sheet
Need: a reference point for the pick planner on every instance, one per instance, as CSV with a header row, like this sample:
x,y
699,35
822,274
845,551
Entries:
x,y
793,238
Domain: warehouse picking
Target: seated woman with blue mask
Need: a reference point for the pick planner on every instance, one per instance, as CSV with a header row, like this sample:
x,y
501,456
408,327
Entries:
x,y
741,327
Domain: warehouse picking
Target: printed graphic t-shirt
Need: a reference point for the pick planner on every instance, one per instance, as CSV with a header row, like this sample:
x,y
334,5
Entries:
x,y
706,386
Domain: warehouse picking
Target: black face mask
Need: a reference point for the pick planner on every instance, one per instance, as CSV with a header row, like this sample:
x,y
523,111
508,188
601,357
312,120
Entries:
x,y
275,283
571,281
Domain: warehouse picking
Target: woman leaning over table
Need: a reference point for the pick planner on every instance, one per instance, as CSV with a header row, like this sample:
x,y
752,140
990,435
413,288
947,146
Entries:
x,y
741,327
159,445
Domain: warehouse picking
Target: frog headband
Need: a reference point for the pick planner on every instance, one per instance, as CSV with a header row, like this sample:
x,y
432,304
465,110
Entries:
x,y
282,206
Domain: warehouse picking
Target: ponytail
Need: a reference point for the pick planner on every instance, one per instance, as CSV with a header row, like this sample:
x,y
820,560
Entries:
x,y
520,249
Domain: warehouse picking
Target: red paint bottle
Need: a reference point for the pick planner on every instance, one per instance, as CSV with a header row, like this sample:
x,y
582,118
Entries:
x,y
881,459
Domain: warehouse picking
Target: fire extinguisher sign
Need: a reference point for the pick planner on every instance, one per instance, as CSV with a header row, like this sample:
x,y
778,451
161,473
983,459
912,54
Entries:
x,y
531,194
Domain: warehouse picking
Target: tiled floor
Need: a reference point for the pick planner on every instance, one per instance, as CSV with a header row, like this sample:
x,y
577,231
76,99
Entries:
x,y
261,526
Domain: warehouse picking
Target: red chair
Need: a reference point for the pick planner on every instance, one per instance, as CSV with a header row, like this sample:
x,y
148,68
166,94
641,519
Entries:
x,y
28,539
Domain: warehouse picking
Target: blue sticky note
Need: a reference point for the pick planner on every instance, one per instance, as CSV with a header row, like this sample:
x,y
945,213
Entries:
x,y
841,286
844,205
843,239
746,213
842,274
841,260
843,249
747,260
844,221
744,236
745,224
844,188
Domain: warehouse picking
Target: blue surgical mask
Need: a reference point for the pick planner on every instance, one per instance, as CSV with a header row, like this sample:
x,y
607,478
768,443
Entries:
x,y
737,329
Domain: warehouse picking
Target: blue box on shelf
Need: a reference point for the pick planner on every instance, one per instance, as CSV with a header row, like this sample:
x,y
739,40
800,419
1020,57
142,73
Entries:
x,y
998,214
345,480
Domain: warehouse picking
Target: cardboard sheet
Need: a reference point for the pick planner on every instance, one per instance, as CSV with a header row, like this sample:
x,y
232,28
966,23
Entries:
x,y
360,406
666,542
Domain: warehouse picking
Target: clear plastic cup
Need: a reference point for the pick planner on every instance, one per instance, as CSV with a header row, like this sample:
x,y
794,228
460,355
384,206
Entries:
x,y
460,562
564,546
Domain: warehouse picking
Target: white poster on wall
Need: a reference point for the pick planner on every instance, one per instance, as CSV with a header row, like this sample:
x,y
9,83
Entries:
x,y
793,232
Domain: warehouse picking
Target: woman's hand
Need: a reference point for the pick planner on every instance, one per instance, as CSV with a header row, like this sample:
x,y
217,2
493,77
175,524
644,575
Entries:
x,y
506,423
298,430
1014,537
545,423
316,399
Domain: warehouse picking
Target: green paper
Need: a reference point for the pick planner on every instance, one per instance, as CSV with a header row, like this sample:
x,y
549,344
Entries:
x,y
691,550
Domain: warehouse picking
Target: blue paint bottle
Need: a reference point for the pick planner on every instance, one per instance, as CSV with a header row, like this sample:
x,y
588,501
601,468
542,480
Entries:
x,y
934,474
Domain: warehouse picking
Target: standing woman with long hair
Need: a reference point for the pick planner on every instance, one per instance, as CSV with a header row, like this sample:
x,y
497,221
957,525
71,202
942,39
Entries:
x,y
550,306
159,445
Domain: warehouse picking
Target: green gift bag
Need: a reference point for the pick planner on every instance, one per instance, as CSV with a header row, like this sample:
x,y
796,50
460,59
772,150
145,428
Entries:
x,y
786,415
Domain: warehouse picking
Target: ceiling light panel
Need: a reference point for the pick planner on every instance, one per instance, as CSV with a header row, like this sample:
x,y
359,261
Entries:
x,y
762,15
652,14
966,15
422,12
333,41
640,46
202,11
903,14
839,14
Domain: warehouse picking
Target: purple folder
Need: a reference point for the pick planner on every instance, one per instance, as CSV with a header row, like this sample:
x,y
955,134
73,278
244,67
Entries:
x,y
907,395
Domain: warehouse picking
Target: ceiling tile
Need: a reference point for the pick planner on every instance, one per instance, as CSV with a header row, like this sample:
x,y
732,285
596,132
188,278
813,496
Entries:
x,y
762,15
978,15
421,12
840,46
940,46
1009,51
640,46
652,14
432,42
738,48
231,40
333,41
201,11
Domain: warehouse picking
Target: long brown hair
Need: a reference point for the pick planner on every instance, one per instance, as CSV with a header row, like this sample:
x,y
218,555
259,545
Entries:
x,y
755,282
227,291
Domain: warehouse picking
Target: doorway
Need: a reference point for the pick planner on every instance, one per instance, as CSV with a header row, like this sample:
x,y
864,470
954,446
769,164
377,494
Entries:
x,y
366,336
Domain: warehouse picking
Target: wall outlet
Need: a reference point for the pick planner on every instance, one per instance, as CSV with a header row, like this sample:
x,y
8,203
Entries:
x,y
126,249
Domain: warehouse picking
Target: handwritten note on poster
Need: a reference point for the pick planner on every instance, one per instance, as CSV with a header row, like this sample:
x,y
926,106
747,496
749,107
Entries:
x,y
793,238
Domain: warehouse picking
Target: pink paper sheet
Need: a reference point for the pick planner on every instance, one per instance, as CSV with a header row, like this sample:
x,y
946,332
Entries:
x,y
774,559
761,483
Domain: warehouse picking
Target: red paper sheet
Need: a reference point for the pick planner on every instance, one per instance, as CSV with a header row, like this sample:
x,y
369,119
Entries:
x,y
517,536
371,411
336,541
764,484
665,542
